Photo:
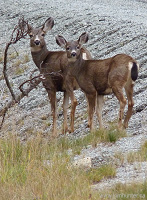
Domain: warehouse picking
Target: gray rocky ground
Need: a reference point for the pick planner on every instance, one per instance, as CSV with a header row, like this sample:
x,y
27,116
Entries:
x,y
114,27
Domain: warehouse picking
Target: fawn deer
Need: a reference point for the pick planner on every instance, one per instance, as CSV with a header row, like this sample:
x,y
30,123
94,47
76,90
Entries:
x,y
101,77
50,62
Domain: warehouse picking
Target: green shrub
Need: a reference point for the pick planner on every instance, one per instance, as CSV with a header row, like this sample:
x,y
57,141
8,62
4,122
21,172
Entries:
x,y
105,171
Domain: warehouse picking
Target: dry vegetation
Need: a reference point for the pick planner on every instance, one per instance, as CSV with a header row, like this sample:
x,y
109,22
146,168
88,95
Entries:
x,y
139,156
43,170
38,170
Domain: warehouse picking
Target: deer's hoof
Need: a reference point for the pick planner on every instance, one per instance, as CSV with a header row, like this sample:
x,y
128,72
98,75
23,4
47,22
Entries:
x,y
71,130
64,131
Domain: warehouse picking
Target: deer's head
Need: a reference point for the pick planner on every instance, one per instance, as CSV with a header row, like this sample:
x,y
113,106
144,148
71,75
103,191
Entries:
x,y
37,41
72,47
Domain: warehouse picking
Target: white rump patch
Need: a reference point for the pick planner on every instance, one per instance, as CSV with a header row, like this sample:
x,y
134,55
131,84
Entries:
x,y
130,65
137,66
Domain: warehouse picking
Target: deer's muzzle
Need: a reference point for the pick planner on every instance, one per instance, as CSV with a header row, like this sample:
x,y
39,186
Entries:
x,y
37,42
73,54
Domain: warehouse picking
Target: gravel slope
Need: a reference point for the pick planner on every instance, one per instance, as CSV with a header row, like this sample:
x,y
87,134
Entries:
x,y
114,27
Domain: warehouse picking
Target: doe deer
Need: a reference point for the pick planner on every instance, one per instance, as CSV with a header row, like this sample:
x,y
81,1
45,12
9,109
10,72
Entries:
x,y
101,77
50,62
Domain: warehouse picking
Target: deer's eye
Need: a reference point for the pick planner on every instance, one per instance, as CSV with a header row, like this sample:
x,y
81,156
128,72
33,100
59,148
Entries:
x,y
67,48
78,47
31,35
43,34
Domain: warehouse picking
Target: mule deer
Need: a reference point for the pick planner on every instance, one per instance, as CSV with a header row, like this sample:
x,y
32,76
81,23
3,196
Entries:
x,y
101,77
50,62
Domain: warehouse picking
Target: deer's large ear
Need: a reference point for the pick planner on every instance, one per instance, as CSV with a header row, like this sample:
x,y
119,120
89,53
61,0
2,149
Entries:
x,y
60,40
83,38
48,25
29,28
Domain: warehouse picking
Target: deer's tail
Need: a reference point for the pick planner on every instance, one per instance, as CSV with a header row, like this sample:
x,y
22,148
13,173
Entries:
x,y
134,71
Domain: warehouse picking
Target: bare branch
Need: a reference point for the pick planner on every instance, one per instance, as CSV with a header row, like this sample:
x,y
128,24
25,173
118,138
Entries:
x,y
17,99
41,77
33,83
19,32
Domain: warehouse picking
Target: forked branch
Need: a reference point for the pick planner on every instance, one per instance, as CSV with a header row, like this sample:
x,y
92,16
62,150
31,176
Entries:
x,y
31,84
19,32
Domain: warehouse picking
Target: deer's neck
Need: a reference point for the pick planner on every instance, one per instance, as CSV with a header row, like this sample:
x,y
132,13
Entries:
x,y
39,56
77,66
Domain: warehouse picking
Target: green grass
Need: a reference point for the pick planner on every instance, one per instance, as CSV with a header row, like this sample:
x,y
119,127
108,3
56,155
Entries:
x,y
38,170
119,159
41,169
1,58
19,71
139,156
16,63
110,135
97,174
135,191
13,55
25,59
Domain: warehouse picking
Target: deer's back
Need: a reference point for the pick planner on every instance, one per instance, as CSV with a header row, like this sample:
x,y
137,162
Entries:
x,y
93,75
100,75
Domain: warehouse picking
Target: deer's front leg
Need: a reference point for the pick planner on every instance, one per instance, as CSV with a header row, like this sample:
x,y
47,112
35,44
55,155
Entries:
x,y
91,108
73,108
53,101
70,84
65,106
99,106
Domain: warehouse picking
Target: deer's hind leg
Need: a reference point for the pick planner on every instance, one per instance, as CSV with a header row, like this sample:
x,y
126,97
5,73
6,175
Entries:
x,y
118,91
129,93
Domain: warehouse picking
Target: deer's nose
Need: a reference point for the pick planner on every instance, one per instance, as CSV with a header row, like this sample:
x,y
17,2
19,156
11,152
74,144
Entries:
x,y
37,42
73,54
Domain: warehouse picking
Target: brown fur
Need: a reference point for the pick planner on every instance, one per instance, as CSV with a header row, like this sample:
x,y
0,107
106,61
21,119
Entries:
x,y
53,61
100,77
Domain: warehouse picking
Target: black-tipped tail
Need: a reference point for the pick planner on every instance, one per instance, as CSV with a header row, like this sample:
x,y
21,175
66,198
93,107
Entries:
x,y
134,71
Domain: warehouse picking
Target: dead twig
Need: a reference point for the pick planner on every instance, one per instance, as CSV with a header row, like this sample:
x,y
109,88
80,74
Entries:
x,y
18,98
33,83
42,77
19,32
